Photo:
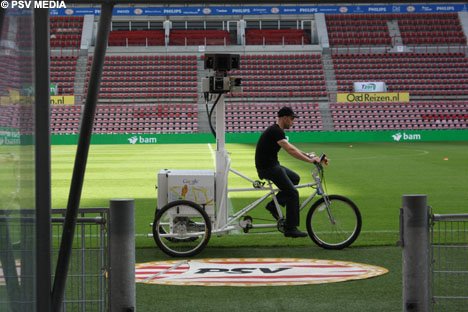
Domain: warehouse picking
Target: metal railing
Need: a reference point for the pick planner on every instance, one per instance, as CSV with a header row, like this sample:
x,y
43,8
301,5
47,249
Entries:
x,y
87,283
449,265
86,288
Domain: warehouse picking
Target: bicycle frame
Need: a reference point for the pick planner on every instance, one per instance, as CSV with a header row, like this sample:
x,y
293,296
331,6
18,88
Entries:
x,y
270,191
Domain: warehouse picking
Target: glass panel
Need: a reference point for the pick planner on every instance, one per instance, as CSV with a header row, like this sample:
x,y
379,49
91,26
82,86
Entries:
x,y
233,35
253,25
156,25
178,25
17,163
269,24
196,25
214,25
120,26
307,27
142,25
288,24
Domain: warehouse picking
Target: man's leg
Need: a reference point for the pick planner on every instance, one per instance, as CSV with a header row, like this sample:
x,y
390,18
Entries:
x,y
288,194
294,178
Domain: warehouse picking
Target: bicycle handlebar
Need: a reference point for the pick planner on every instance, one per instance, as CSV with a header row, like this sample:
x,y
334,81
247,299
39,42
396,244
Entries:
x,y
323,160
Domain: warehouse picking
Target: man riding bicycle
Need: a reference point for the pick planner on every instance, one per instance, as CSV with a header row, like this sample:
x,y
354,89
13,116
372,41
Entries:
x,y
268,167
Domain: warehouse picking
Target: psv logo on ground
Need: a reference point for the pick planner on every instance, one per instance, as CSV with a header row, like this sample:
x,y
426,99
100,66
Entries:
x,y
253,272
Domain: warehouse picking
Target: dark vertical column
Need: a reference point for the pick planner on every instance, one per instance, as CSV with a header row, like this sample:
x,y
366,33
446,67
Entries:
x,y
415,238
122,289
81,157
42,168
2,15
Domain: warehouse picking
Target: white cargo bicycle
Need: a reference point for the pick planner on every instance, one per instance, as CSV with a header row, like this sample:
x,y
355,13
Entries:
x,y
182,228
193,205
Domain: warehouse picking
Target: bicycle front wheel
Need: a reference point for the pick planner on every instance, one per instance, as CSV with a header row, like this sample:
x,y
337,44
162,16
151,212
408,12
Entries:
x,y
334,222
181,229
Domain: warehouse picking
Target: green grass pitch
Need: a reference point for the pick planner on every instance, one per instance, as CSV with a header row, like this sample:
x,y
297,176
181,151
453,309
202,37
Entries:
x,y
373,175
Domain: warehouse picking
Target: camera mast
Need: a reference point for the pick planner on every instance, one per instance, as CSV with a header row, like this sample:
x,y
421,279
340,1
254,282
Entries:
x,y
220,83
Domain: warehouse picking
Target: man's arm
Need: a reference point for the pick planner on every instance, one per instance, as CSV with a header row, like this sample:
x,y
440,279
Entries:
x,y
296,153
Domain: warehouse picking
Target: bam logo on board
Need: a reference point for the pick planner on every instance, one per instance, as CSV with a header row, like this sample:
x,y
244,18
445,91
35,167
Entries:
x,y
142,140
406,137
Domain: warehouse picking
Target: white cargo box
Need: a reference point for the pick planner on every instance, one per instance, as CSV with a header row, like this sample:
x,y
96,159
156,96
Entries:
x,y
194,185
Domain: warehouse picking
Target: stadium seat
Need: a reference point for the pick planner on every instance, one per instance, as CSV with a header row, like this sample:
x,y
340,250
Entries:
x,y
65,31
385,116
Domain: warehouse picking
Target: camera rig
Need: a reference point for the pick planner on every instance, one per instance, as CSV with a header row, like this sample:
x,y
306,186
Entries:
x,y
220,82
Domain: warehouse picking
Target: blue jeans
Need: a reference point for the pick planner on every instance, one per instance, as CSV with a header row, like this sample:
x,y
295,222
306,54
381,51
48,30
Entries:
x,y
285,179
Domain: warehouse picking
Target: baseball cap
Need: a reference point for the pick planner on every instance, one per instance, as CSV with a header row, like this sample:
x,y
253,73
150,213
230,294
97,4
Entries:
x,y
286,111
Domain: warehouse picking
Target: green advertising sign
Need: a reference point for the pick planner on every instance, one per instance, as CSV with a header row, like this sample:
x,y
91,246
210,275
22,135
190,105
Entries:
x,y
397,136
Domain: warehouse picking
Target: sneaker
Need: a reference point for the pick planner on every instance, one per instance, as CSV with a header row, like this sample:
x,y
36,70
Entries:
x,y
272,209
294,232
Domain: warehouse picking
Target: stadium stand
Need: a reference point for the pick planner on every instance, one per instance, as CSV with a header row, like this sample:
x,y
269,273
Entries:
x,y
427,28
147,94
413,115
148,78
357,29
248,117
65,119
280,76
199,37
158,93
270,81
276,37
17,116
65,31
62,73
420,74
372,29
128,118
10,76
136,38
149,118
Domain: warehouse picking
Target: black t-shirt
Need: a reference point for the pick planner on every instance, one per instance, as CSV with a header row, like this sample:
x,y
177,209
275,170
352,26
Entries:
x,y
266,153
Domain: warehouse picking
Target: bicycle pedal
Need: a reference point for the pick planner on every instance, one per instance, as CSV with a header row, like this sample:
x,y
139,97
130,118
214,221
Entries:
x,y
280,225
246,224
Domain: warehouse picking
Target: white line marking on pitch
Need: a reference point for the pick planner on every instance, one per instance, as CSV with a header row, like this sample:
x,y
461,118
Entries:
x,y
213,154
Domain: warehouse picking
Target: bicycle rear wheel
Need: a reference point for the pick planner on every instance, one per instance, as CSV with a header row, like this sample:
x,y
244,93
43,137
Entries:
x,y
335,223
181,229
